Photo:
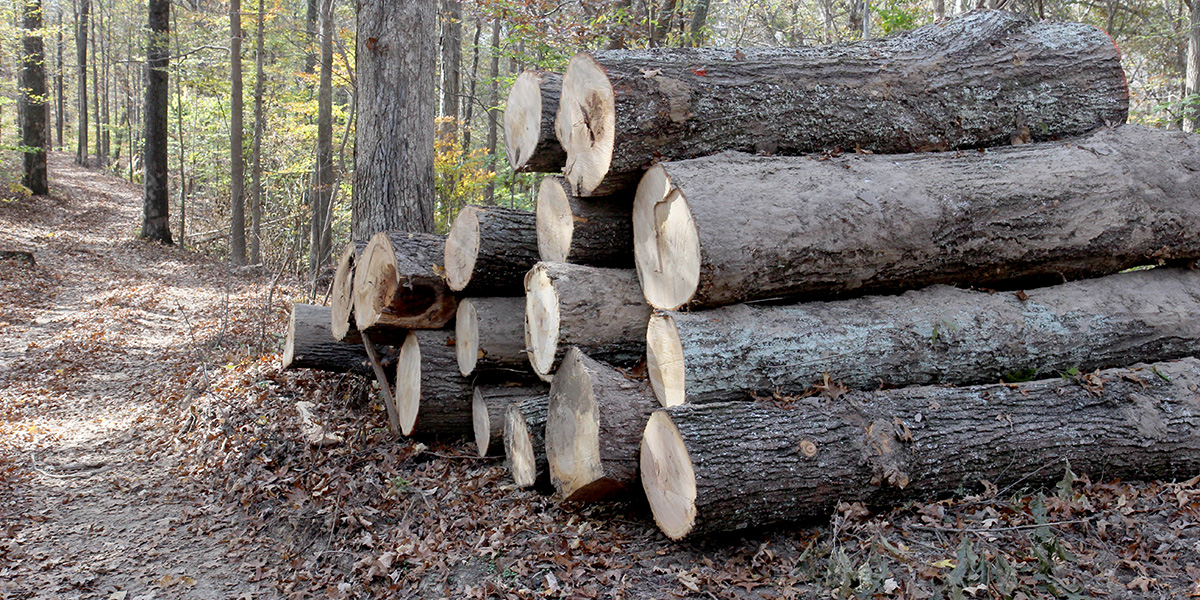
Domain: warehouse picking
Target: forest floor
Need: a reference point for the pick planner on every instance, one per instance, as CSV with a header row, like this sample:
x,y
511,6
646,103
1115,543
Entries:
x,y
149,448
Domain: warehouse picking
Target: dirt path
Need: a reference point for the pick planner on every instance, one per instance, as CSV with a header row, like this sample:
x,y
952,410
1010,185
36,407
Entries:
x,y
96,341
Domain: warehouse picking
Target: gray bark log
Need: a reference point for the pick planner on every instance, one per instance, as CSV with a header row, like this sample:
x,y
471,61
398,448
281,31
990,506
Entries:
x,y
489,408
413,296
507,249
341,297
546,155
495,340
596,231
443,396
310,345
525,442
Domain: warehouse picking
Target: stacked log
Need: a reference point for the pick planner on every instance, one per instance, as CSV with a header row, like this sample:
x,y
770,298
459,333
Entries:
x,y
582,230
529,139
489,413
489,335
398,286
341,295
525,442
432,400
489,250
311,345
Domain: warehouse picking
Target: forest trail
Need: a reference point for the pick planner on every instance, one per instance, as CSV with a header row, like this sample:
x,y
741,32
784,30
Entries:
x,y
96,342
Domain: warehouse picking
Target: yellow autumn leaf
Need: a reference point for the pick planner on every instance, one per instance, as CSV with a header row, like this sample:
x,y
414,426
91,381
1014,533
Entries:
x,y
945,563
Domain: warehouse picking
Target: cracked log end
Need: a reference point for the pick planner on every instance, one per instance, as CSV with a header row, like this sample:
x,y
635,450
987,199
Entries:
x,y
390,295
523,119
573,431
586,124
668,477
408,383
665,361
466,337
666,243
481,422
462,248
541,321
342,302
518,447
555,221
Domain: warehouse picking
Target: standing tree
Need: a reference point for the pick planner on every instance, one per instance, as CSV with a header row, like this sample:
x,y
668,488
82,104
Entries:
x,y
493,115
256,166
451,60
33,100
58,84
1191,120
81,36
321,244
156,199
237,168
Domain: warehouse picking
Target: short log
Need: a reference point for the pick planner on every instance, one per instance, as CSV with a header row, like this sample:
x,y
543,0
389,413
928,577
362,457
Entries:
x,y
525,442
596,231
432,399
489,406
341,296
310,345
398,286
489,335
529,139
489,250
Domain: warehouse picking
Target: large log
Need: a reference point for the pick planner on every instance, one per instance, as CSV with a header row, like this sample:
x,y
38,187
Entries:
x,y
341,296
728,466
489,335
596,231
432,399
983,79
525,442
937,335
310,345
489,406
602,311
529,139
489,250
593,423
398,286
734,228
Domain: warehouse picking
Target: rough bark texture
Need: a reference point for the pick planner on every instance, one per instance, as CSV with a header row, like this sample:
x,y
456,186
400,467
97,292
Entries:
x,y
451,61
490,335
433,400
756,464
156,203
596,231
529,139
320,248
311,346
489,250
1191,80
489,407
341,297
764,228
977,80
525,442
593,425
393,157
601,311
237,158
157,22
33,100
397,285
937,335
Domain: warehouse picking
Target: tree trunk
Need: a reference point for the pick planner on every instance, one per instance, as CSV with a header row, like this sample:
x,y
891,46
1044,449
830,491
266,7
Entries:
x,y
529,139
596,231
256,185
81,36
939,335
1192,78
451,59
666,13
432,399
593,424
699,22
33,100
311,17
96,59
489,335
60,114
602,311
943,86
469,104
734,228
310,345
393,172
237,168
343,326
525,442
493,113
489,250
397,285
156,204
321,245
488,409
728,466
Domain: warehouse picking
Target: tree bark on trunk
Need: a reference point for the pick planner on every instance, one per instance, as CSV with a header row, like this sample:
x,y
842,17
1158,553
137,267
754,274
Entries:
x,y
156,200
529,138
489,250
397,285
525,442
81,36
256,184
341,303
312,11
321,246
311,346
734,228
469,104
1192,78
595,231
489,406
939,335
61,103
490,335
451,61
432,399
728,466
33,100
978,80
237,160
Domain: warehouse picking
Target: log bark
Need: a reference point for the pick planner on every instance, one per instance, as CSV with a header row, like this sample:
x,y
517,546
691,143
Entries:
x,y
529,139
432,399
734,228
939,335
490,335
341,296
595,231
979,80
602,311
489,250
489,408
310,345
525,442
728,466
593,424
397,285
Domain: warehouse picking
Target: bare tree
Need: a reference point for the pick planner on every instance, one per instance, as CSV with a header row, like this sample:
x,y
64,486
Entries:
x,y
493,100
1191,120
237,167
156,199
81,37
451,60
256,167
33,100
321,245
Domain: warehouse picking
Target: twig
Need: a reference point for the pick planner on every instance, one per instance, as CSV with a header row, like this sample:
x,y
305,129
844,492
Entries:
x,y
990,529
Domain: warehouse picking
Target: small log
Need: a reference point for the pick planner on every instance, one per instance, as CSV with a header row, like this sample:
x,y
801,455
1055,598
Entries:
x,y
397,285
525,442
310,345
489,335
986,78
602,311
735,228
529,139
728,466
432,399
937,335
593,425
341,302
585,231
489,250
489,406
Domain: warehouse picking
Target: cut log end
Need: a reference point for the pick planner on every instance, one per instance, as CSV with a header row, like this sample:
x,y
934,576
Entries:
x,y
289,346
523,119
466,337
666,243
462,248
668,477
481,422
408,383
573,431
541,321
665,360
342,298
555,222
518,447
586,124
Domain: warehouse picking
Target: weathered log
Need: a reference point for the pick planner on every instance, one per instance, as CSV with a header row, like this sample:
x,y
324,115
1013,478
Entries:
x,y
986,78
310,345
432,399
397,285
489,335
489,406
587,231
341,296
529,139
937,335
602,311
728,466
734,228
525,442
489,250
593,423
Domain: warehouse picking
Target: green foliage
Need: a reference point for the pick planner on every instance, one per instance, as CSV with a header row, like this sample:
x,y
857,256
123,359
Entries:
x,y
899,15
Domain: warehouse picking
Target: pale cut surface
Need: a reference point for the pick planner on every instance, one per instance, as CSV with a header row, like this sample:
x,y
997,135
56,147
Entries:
x,y
585,124
375,280
408,383
668,477
523,118
541,321
289,345
666,244
573,428
664,360
341,296
462,248
466,337
555,222
518,447
480,421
